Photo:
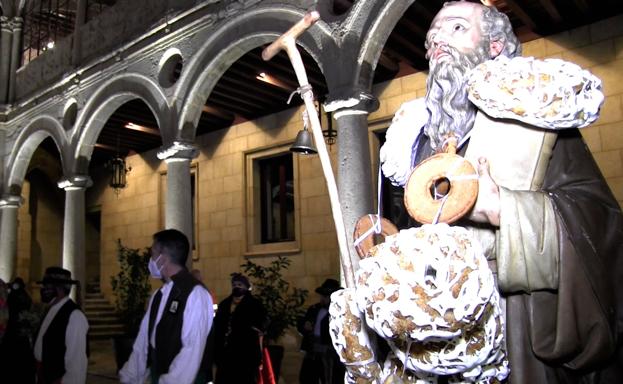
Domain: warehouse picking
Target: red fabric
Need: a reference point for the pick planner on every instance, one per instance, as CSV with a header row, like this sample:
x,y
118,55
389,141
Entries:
x,y
266,369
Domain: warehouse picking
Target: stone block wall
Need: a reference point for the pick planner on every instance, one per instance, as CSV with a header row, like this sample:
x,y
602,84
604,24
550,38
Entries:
x,y
40,232
138,211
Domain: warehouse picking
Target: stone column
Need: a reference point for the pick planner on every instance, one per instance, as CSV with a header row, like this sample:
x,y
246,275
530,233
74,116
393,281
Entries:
x,y
5,57
178,209
74,230
9,207
354,179
16,55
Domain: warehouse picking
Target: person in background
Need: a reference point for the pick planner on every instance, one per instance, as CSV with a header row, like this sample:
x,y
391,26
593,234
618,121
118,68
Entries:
x,y
4,308
61,344
209,361
238,328
321,363
18,360
171,343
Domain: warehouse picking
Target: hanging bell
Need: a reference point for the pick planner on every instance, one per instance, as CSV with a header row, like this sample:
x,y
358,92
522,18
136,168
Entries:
x,y
303,143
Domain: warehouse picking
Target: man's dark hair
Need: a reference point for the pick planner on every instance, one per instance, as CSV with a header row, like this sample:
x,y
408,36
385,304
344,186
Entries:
x,y
175,244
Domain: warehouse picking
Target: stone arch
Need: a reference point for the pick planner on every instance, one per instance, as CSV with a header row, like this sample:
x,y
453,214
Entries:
x,y
105,101
230,42
27,142
381,24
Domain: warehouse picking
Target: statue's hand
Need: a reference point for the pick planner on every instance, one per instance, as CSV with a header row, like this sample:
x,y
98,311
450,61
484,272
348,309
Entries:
x,y
487,206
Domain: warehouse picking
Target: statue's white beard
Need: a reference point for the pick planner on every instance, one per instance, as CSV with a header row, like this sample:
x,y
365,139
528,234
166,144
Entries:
x,y
451,113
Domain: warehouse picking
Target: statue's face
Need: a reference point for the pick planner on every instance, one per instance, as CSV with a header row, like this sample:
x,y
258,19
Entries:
x,y
456,26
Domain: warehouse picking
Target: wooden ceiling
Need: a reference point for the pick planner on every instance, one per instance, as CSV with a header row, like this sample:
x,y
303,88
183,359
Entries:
x,y
239,95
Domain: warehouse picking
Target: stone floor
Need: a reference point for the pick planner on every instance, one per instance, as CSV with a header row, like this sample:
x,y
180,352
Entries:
x,y
103,369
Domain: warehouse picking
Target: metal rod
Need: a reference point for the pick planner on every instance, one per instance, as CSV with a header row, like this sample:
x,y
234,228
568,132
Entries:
x,y
287,42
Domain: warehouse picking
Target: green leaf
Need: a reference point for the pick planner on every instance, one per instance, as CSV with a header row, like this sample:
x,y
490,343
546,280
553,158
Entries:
x,y
131,286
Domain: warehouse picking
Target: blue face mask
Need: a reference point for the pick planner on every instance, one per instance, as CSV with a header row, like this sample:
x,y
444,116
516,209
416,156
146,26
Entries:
x,y
154,270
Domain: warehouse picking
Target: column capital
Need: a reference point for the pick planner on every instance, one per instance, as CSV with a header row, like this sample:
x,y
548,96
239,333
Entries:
x,y
16,23
355,103
75,182
5,23
179,150
11,201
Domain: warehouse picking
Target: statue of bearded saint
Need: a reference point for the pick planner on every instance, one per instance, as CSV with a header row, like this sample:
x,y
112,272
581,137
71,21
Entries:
x,y
428,293
451,113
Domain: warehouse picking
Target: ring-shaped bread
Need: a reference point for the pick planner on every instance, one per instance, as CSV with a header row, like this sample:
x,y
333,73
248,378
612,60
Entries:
x,y
421,204
363,226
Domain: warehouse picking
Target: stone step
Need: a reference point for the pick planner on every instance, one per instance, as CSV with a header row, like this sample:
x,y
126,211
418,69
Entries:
x,y
104,334
104,328
104,322
94,314
109,320
92,288
99,300
104,307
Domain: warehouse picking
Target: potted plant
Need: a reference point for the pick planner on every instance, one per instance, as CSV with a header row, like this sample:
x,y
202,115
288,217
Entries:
x,y
131,288
284,303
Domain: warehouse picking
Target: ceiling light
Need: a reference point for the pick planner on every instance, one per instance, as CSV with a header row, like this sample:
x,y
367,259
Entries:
x,y
142,128
263,76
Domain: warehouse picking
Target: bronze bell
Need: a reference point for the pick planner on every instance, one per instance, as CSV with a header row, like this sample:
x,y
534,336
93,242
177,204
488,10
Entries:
x,y
303,143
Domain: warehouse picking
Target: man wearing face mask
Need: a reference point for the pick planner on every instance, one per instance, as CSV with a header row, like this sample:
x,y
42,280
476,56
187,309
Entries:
x,y
61,344
238,326
171,343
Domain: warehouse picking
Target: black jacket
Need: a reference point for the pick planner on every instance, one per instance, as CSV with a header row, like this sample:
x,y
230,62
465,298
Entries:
x,y
308,336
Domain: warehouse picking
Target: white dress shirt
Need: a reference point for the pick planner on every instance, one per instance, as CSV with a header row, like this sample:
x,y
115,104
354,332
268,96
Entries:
x,y
75,343
198,316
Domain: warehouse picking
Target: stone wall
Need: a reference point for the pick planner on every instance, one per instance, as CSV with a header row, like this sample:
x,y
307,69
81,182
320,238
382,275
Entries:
x,y
40,230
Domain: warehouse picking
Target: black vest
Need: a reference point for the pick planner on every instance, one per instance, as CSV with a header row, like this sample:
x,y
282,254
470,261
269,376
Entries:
x,y
169,328
53,344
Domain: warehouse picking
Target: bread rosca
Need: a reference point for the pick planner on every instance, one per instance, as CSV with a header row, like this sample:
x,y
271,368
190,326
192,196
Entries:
x,y
459,196
365,235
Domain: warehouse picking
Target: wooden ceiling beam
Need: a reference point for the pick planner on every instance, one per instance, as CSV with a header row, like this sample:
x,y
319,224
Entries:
x,y
388,63
232,107
582,6
521,14
269,92
251,71
552,11
218,112
105,147
235,100
415,28
408,44
422,10
405,59
123,117
243,93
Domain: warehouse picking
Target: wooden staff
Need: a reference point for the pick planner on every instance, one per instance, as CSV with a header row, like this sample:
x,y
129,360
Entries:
x,y
287,42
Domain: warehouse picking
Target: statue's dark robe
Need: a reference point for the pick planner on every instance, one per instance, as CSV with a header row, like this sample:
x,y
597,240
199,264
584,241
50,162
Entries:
x,y
572,334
